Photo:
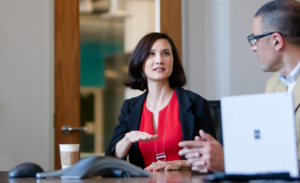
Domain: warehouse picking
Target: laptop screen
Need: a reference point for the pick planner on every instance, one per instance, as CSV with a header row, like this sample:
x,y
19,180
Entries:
x,y
259,134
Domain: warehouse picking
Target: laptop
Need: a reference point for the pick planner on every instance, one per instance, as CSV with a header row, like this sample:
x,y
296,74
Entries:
x,y
259,134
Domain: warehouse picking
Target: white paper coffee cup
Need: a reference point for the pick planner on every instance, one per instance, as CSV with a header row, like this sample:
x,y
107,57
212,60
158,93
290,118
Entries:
x,y
69,154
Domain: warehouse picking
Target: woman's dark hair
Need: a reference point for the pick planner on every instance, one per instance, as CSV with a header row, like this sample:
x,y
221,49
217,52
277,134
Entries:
x,y
136,76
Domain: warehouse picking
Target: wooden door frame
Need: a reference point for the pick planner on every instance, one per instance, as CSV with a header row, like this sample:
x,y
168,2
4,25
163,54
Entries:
x,y
170,22
67,71
67,62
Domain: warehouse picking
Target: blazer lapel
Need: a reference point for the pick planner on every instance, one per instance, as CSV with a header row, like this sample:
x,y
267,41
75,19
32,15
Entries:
x,y
186,118
136,107
281,87
296,93
134,118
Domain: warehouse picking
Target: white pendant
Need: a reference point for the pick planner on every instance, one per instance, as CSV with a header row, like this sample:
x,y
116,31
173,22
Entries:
x,y
161,156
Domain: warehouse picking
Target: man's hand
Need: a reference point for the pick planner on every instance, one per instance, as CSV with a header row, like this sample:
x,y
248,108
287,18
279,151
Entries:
x,y
205,154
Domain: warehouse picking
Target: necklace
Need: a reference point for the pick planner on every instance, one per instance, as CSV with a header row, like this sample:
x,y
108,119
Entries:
x,y
163,155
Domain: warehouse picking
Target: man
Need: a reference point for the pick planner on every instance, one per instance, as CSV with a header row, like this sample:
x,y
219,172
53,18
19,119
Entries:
x,y
276,40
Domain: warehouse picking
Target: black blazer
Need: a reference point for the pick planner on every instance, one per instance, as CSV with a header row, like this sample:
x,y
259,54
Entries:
x,y
194,114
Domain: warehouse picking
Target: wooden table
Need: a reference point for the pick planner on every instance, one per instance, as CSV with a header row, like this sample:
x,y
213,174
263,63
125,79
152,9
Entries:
x,y
158,177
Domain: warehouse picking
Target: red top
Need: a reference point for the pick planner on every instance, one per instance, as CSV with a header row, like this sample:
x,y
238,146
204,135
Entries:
x,y
173,133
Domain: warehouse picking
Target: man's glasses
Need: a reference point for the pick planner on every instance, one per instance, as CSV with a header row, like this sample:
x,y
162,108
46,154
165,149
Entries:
x,y
252,39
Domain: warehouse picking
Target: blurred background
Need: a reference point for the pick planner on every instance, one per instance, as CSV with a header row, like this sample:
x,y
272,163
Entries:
x,y
216,57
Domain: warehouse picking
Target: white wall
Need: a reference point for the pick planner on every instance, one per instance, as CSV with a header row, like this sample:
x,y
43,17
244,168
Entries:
x,y
26,83
216,54
246,75
140,22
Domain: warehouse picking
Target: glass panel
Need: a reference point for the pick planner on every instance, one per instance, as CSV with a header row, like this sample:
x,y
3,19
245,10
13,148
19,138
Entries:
x,y
87,119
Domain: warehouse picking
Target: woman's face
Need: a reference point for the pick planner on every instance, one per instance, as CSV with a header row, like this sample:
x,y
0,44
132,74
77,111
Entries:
x,y
159,64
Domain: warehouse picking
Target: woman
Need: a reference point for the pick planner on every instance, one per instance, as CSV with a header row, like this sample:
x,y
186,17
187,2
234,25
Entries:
x,y
152,124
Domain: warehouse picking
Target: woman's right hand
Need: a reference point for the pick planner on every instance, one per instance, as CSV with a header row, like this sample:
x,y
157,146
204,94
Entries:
x,y
136,136
124,145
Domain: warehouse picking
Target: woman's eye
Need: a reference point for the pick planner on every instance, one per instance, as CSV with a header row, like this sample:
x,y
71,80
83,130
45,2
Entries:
x,y
166,53
150,53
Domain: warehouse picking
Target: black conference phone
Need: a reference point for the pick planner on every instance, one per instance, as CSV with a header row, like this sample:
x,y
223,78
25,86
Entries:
x,y
97,166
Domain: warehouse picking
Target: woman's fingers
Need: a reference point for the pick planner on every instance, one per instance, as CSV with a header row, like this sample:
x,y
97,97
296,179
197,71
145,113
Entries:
x,y
148,168
147,137
159,167
155,137
135,136
163,165
154,167
168,168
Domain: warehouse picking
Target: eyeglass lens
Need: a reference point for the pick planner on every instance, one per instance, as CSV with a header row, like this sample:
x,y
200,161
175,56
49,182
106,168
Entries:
x,y
253,42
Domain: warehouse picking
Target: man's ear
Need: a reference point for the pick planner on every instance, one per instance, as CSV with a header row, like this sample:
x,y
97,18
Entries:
x,y
277,41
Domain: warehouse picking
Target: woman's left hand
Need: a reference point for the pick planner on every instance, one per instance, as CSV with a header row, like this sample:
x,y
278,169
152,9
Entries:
x,y
166,165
